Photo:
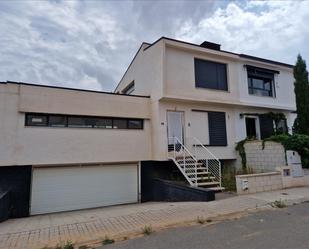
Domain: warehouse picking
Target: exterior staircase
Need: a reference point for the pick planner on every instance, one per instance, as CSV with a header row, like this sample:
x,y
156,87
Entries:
x,y
200,167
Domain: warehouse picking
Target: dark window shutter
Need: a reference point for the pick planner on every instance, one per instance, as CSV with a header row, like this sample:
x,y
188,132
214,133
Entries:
x,y
217,129
266,126
209,74
222,77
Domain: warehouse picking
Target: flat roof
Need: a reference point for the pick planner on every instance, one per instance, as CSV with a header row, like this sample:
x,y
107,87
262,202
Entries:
x,y
223,51
72,89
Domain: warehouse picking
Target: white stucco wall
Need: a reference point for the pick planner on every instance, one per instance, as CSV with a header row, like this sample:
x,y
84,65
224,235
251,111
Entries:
x,y
196,125
180,80
180,77
192,127
146,71
20,145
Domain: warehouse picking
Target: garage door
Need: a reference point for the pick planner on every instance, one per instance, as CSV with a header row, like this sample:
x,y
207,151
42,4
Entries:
x,y
70,188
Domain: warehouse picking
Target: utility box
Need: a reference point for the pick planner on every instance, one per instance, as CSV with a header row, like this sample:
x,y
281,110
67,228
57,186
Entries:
x,y
294,161
292,157
245,184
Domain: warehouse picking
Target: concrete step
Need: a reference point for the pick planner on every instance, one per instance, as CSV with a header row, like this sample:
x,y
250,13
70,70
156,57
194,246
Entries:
x,y
198,173
190,169
207,183
181,157
205,178
217,189
188,163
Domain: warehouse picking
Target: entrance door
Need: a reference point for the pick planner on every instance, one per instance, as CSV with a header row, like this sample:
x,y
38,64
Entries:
x,y
174,126
251,127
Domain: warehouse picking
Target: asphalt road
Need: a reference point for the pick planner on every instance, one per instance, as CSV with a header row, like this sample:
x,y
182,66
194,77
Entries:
x,y
283,228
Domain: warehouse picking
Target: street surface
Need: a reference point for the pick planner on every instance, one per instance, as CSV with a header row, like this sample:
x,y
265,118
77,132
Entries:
x,y
285,228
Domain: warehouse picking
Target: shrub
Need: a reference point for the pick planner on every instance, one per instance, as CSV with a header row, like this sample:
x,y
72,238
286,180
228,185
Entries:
x,y
147,230
278,204
65,245
228,178
107,241
200,219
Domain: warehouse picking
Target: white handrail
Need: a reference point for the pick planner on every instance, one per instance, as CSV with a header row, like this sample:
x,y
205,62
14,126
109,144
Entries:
x,y
214,168
182,145
184,152
203,146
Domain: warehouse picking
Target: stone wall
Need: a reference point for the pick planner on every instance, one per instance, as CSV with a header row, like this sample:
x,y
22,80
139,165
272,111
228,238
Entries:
x,y
267,159
254,183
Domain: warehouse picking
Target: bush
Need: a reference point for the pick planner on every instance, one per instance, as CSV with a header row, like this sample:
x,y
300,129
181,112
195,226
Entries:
x,y
107,241
147,230
65,245
200,220
278,204
228,178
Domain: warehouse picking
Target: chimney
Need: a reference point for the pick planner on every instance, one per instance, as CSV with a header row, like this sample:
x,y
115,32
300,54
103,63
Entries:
x,y
211,45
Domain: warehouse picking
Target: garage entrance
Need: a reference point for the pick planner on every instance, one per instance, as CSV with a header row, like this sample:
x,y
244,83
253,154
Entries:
x,y
56,189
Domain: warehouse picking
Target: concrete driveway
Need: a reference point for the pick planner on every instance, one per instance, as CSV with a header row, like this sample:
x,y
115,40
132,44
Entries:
x,y
88,226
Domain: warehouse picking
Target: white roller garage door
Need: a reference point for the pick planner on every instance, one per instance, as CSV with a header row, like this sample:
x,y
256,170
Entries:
x,y
70,188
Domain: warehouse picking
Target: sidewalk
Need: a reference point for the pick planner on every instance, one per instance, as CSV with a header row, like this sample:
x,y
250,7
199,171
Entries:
x,y
94,224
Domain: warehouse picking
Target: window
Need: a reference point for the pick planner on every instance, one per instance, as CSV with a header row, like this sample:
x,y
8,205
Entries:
x,y
54,120
135,124
260,81
79,122
36,120
106,123
57,121
129,88
266,126
251,128
120,124
282,127
209,74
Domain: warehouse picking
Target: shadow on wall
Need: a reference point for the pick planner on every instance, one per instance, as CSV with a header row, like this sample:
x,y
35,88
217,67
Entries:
x,y
162,181
16,181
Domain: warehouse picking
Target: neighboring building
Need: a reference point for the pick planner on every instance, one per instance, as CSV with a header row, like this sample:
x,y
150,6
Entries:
x,y
177,101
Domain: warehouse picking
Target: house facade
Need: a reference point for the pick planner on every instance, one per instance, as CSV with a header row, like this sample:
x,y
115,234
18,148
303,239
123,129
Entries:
x,y
65,149
200,80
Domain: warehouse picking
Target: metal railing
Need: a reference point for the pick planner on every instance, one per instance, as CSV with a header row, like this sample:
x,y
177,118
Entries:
x,y
206,157
184,159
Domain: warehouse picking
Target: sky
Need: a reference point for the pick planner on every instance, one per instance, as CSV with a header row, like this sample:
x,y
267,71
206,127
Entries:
x,y
89,44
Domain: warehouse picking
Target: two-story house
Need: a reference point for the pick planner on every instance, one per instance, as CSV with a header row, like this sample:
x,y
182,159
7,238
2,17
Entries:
x,y
207,99
65,149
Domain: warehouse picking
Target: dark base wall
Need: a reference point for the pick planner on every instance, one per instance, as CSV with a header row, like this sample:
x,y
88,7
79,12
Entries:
x,y
160,182
17,181
171,191
4,205
151,170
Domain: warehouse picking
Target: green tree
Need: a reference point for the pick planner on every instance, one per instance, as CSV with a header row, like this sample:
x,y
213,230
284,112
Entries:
x,y
301,88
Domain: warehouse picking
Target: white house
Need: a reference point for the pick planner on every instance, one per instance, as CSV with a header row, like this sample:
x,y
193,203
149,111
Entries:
x,y
189,103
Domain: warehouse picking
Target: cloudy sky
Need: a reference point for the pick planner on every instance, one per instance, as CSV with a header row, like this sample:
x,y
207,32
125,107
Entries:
x,y
89,44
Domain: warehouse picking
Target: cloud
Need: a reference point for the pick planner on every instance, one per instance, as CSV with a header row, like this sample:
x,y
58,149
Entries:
x,y
70,43
89,44
276,30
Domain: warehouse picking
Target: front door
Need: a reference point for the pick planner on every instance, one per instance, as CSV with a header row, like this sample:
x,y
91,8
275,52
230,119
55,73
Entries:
x,y
174,126
251,127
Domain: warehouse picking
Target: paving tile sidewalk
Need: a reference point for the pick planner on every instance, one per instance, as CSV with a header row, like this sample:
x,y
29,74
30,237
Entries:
x,y
94,224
